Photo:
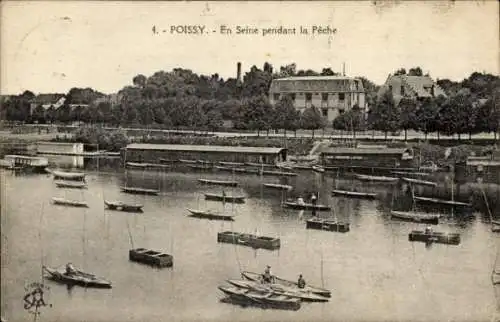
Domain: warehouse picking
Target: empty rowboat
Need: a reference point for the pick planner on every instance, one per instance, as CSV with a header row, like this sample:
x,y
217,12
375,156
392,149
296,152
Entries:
x,y
328,225
419,182
68,175
305,206
218,182
210,214
309,288
224,198
381,179
66,202
76,278
412,216
354,194
434,237
150,257
121,206
443,202
140,191
249,240
317,168
278,186
264,299
71,184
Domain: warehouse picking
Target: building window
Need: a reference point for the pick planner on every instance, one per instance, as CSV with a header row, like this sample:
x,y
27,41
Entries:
x,y
402,90
325,112
276,96
341,96
324,96
292,95
308,96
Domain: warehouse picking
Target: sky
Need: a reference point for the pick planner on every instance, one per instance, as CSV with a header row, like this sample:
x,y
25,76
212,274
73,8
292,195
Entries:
x,y
53,46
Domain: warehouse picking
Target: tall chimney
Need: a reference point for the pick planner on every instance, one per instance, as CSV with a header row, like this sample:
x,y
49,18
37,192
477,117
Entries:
x,y
238,72
343,69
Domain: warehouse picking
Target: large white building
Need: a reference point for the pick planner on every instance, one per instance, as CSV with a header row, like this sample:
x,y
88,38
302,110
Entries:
x,y
332,95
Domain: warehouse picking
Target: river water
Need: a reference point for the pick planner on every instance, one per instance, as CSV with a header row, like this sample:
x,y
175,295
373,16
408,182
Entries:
x,y
374,272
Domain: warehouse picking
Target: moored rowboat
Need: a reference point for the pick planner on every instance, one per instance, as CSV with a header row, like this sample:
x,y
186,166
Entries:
x,y
118,205
68,175
309,288
278,186
210,214
354,194
364,177
219,182
416,217
305,206
419,182
66,202
77,278
224,198
141,191
261,298
443,202
69,184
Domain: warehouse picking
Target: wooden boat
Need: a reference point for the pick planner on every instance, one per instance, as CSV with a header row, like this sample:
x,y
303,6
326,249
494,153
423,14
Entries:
x,y
413,216
495,222
278,186
150,257
364,177
187,161
138,165
71,184
210,214
279,173
167,161
409,174
121,206
279,289
250,240
199,167
219,182
265,299
140,191
328,225
66,202
443,202
259,165
224,198
204,162
26,163
68,175
317,168
436,237
77,278
237,170
419,182
305,206
354,194
278,280
302,167
231,164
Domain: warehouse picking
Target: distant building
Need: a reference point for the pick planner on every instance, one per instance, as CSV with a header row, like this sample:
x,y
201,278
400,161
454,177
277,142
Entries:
x,y
47,101
332,95
413,87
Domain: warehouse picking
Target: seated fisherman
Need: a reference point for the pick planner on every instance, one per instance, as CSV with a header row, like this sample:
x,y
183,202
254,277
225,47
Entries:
x,y
301,282
70,269
267,277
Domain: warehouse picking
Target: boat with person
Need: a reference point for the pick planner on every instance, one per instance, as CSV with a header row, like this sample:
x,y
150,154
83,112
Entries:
x,y
210,214
218,182
278,186
224,197
414,216
71,184
278,280
76,278
140,191
378,179
419,182
68,175
122,206
354,194
279,289
67,202
264,298
305,206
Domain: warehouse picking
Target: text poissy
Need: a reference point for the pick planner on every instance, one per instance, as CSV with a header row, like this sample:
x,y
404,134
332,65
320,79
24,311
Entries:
x,y
187,29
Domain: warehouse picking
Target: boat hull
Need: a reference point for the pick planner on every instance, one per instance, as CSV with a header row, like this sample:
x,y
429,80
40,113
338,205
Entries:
x,y
140,191
415,217
150,257
235,199
278,186
118,206
218,183
309,288
376,179
68,175
328,225
71,185
261,299
434,237
249,240
210,215
354,194
71,203
86,280
305,206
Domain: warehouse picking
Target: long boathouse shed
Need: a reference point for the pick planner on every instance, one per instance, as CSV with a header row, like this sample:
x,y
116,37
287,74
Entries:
x,y
141,152
368,157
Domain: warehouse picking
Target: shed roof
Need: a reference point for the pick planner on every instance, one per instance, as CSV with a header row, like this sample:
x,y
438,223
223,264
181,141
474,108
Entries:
x,y
365,151
204,148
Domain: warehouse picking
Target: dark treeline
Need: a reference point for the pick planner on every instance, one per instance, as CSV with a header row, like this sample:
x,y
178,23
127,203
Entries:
x,y
181,99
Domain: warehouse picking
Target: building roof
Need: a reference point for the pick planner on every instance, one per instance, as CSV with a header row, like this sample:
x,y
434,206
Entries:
x,y
420,85
50,98
317,84
346,151
204,148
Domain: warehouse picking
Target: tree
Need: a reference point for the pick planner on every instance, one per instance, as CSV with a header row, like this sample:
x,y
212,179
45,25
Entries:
x,y
351,120
214,120
38,114
400,71
328,72
50,115
139,80
286,116
416,71
385,116
427,116
311,119
408,110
